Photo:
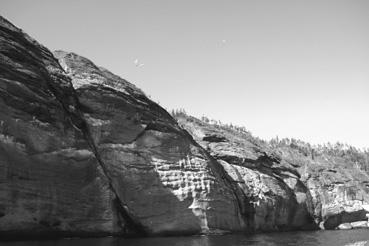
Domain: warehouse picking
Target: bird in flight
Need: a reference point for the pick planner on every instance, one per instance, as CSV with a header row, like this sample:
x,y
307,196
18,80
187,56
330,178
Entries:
x,y
138,64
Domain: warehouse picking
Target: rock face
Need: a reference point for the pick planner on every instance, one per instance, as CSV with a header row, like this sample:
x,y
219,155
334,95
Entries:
x,y
50,180
278,200
339,187
167,182
84,152
324,189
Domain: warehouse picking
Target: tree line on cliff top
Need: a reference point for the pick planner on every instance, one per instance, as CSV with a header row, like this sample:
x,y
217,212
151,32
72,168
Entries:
x,y
349,153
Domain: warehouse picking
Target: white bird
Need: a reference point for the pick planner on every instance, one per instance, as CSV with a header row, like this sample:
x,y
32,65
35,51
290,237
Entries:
x,y
137,64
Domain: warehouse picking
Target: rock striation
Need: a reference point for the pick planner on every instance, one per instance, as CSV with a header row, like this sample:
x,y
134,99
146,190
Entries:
x,y
278,199
83,152
166,180
50,180
339,187
322,189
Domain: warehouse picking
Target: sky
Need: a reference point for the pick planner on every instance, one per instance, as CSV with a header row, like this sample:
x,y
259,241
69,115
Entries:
x,y
286,68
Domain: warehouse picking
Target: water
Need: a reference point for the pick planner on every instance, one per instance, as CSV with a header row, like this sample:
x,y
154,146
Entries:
x,y
326,238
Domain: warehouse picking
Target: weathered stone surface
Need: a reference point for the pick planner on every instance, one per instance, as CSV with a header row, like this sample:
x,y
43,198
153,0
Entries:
x,y
327,188
360,224
84,152
277,199
345,226
49,178
167,181
101,158
339,188
353,225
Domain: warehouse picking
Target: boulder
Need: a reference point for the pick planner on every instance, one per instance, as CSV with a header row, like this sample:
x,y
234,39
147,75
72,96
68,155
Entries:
x,y
345,226
360,224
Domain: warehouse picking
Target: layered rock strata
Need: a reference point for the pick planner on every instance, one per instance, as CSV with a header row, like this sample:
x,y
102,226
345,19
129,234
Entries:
x,y
278,199
339,188
50,180
321,190
86,153
168,182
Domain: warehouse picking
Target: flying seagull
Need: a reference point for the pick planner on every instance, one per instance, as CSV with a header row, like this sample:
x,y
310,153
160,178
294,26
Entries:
x,y
137,64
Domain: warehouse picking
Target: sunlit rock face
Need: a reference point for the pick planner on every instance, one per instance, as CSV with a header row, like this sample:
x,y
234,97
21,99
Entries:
x,y
49,178
276,197
287,188
97,158
168,183
340,201
84,152
338,187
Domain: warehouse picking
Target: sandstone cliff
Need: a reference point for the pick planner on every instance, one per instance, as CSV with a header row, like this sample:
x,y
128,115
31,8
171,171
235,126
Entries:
x,y
85,153
167,181
50,180
312,187
337,182
278,198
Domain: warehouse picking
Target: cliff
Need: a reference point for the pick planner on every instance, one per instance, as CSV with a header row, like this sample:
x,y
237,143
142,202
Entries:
x,y
326,184
279,199
85,153
336,177
50,180
167,181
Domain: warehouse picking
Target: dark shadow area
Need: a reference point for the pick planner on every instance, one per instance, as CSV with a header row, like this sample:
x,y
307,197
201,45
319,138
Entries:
x,y
332,221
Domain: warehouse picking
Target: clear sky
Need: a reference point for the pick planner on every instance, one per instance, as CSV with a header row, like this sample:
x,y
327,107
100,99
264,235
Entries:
x,y
290,68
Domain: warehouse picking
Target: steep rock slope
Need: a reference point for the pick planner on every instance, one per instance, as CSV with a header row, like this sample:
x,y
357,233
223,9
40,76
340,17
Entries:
x,y
328,187
279,200
101,158
50,180
339,186
84,152
168,182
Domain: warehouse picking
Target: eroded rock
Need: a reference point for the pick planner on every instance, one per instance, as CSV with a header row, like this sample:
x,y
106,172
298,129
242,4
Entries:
x,y
337,187
169,183
50,181
100,157
84,152
276,197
